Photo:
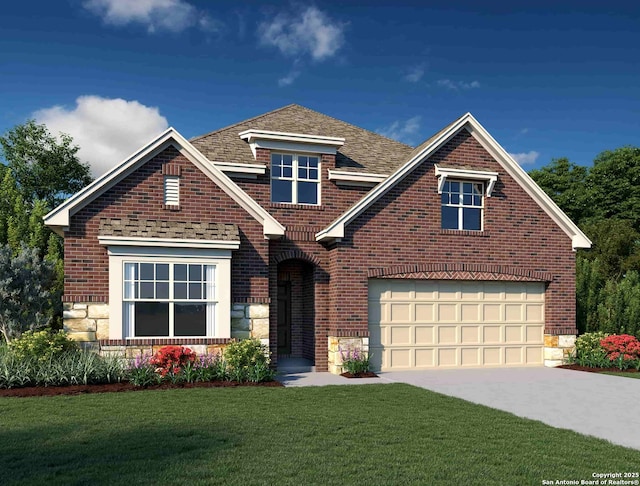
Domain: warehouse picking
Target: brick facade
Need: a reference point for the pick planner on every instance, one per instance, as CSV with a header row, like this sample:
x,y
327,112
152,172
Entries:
x,y
403,228
399,236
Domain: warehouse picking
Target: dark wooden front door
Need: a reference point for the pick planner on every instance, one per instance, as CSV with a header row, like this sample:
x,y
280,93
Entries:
x,y
284,318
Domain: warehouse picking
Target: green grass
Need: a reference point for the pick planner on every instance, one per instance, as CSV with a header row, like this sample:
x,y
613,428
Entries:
x,y
621,373
370,434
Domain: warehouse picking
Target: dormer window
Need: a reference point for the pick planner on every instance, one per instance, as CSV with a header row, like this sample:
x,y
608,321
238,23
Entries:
x,y
295,178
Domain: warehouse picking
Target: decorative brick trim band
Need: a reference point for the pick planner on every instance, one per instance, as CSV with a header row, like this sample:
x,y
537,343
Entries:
x,y
295,255
72,298
171,207
172,169
252,300
308,207
560,331
349,333
162,341
460,271
481,234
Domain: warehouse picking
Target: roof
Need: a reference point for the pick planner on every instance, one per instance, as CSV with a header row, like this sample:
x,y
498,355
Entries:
x,y
363,150
58,219
153,228
336,230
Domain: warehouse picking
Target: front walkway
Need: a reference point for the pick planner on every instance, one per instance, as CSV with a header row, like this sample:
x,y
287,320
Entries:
x,y
589,403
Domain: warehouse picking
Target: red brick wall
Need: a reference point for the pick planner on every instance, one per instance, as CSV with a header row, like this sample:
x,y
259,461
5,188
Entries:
x,y
140,195
403,227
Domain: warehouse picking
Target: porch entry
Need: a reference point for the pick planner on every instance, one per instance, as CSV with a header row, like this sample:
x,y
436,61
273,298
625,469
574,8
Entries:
x,y
295,305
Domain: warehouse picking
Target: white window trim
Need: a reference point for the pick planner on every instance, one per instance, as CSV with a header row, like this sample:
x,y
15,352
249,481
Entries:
x,y
467,175
295,179
118,255
460,207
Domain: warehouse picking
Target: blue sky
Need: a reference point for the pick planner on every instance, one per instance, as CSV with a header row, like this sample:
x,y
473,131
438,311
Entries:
x,y
547,79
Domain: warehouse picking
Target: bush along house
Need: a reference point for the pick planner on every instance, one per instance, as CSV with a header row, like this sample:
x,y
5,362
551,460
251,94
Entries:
x,y
315,236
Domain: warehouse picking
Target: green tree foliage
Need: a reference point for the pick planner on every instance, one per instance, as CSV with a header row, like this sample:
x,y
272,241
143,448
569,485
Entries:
x,y
613,185
565,182
25,295
44,167
604,201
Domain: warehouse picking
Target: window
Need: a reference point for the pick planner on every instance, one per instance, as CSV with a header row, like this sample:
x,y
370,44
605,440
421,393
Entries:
x,y
295,179
169,299
171,190
462,204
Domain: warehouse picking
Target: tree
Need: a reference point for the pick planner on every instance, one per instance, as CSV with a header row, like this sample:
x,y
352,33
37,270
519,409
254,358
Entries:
x,y
616,245
43,167
25,298
613,185
564,182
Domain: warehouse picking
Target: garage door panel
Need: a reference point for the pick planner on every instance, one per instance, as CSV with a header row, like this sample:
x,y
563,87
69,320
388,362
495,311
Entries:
x,y
470,356
424,312
447,334
447,312
470,334
400,335
424,335
427,324
400,312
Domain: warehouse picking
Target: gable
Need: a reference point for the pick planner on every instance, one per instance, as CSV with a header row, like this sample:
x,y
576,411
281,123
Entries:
x,y
59,218
495,155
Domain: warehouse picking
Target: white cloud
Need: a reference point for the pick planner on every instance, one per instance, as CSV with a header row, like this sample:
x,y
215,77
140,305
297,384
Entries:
x,y
308,32
455,86
525,158
106,130
402,131
289,78
155,15
415,74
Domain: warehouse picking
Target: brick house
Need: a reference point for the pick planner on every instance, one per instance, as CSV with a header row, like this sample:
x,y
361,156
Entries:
x,y
315,235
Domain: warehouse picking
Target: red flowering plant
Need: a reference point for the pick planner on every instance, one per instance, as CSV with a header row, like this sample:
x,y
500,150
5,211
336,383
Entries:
x,y
170,360
622,349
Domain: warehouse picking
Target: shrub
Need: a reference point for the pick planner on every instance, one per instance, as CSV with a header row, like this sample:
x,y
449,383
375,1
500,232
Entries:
x,y
355,361
42,345
142,373
170,360
622,349
589,342
246,358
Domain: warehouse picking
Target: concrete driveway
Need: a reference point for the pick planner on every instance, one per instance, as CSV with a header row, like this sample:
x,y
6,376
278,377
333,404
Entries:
x,y
593,404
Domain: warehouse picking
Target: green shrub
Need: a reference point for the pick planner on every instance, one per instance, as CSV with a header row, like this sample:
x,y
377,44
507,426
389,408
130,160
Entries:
x,y
589,351
246,359
42,345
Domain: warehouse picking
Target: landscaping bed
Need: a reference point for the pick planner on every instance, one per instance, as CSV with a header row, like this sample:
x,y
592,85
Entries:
x,y
611,369
361,374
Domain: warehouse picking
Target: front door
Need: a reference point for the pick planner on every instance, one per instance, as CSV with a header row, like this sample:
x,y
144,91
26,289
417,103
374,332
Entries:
x,y
284,318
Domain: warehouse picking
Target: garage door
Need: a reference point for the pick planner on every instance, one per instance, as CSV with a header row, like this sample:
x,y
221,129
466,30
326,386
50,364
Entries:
x,y
423,324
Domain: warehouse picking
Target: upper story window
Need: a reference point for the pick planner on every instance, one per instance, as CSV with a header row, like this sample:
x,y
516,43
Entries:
x,y
462,205
295,179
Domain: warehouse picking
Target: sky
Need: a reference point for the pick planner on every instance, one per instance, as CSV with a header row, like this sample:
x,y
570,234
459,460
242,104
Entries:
x,y
546,79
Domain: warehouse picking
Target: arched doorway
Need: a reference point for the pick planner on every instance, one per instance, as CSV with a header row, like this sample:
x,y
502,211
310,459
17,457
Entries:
x,y
296,310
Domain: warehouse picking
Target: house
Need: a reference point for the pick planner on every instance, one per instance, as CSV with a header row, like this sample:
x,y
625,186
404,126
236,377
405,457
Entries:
x,y
315,235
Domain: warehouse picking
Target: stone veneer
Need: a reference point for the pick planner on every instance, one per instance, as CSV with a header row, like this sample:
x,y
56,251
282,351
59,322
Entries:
x,y
339,344
557,349
88,323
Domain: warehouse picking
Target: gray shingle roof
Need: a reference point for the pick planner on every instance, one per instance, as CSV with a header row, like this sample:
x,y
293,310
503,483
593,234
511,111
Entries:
x,y
153,228
363,151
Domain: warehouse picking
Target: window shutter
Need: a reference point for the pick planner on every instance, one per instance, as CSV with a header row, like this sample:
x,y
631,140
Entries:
x,y
171,190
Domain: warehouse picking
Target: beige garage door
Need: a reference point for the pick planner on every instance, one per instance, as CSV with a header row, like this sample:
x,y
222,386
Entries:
x,y
422,324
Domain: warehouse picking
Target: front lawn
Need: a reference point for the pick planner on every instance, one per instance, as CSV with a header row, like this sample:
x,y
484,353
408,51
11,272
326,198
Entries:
x,y
373,434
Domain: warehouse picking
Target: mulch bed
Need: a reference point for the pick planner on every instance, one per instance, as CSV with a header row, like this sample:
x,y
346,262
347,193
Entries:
x,y
43,391
366,374
595,370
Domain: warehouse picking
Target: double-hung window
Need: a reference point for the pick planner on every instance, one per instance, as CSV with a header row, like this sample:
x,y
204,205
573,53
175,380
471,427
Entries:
x,y
169,299
462,205
295,179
